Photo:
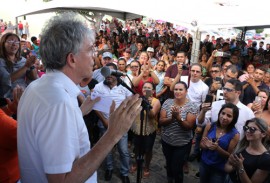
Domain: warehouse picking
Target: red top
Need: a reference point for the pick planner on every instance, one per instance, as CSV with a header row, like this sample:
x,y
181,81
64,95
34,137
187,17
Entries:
x,y
138,89
9,164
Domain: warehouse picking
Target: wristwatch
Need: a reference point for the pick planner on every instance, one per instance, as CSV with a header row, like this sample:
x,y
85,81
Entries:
x,y
241,170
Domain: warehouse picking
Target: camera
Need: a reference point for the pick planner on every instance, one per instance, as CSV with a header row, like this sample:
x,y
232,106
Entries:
x,y
184,67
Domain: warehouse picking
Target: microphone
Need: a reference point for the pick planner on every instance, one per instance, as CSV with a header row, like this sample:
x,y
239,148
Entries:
x,y
106,71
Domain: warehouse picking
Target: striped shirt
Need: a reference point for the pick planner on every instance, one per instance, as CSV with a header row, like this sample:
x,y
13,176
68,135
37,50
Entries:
x,y
173,133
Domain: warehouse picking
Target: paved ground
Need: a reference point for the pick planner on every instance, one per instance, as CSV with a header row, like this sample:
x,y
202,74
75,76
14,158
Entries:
x,y
157,170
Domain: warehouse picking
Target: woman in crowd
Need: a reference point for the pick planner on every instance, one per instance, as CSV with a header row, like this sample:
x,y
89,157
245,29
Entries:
x,y
14,69
135,68
248,72
103,44
265,115
149,129
203,63
259,103
160,88
177,119
121,65
146,75
218,142
251,161
266,79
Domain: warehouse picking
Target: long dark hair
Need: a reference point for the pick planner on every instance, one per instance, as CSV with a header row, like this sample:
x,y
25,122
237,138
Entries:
x,y
235,115
3,52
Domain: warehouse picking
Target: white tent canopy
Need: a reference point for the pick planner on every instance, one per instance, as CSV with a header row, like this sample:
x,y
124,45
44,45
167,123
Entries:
x,y
207,13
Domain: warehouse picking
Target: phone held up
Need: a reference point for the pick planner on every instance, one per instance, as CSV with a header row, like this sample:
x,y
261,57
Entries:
x,y
209,99
148,93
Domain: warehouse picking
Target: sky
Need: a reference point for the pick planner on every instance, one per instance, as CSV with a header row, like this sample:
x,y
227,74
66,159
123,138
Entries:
x,y
36,22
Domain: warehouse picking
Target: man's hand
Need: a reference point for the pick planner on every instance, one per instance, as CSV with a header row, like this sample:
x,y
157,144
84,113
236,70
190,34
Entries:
x,y
180,68
88,104
206,107
122,118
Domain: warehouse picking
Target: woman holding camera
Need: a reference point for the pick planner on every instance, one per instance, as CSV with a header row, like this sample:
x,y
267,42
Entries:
x,y
148,129
251,160
218,141
177,119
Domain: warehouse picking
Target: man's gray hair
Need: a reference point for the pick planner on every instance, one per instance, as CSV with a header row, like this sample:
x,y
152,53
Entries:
x,y
61,35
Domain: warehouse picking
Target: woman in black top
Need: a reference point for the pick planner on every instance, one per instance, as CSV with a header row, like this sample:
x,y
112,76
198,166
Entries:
x,y
245,165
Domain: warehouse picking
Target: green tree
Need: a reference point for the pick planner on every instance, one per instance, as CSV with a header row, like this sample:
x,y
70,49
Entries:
x,y
259,31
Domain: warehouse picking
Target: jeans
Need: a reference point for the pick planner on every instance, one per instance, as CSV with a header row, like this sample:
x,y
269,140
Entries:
x,y
122,147
209,174
175,157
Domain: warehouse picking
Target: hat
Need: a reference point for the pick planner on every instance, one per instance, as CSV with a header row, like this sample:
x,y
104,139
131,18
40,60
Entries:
x,y
128,50
150,49
107,54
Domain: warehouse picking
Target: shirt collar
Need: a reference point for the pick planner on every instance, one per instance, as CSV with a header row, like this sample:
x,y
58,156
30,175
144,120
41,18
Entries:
x,y
67,83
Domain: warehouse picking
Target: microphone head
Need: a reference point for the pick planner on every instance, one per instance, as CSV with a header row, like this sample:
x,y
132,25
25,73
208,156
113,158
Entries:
x,y
105,71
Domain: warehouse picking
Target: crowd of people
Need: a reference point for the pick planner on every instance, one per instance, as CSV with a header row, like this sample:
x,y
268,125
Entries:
x,y
220,104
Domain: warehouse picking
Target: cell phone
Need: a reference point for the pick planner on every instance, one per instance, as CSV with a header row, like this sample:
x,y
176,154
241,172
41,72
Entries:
x,y
148,93
209,99
218,79
3,102
219,54
258,99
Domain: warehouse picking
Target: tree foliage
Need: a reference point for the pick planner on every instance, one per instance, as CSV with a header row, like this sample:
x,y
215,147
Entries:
x,y
259,31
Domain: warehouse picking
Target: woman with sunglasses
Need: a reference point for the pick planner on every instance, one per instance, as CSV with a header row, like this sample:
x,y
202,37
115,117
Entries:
x,y
218,141
250,162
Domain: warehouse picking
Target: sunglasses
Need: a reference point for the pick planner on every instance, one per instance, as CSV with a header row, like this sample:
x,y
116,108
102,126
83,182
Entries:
x,y
250,129
134,67
228,89
214,71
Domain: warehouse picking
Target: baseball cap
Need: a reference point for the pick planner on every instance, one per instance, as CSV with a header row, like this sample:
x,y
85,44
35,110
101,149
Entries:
x,y
150,49
107,54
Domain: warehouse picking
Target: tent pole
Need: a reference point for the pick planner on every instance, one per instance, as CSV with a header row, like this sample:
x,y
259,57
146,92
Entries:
x,y
195,52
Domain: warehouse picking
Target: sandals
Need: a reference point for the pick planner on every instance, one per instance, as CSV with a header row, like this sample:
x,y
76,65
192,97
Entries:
x,y
146,173
133,169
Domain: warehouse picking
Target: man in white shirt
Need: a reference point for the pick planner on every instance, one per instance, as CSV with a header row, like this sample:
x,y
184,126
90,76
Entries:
x,y
231,92
53,143
111,88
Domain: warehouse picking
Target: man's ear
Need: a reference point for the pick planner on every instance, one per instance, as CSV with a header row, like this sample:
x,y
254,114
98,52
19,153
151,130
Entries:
x,y
70,60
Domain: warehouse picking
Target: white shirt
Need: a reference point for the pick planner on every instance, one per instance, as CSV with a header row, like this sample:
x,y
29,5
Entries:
x,y
117,93
245,114
197,92
51,130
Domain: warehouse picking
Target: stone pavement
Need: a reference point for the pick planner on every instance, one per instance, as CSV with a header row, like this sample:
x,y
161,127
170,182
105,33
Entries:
x,y
157,170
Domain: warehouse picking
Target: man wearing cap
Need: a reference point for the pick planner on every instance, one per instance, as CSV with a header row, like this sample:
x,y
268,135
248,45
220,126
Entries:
x,y
151,53
127,56
106,58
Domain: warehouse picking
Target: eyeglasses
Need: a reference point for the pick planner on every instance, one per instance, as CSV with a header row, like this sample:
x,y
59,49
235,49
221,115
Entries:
x,y
194,71
214,71
13,42
228,89
250,129
134,67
